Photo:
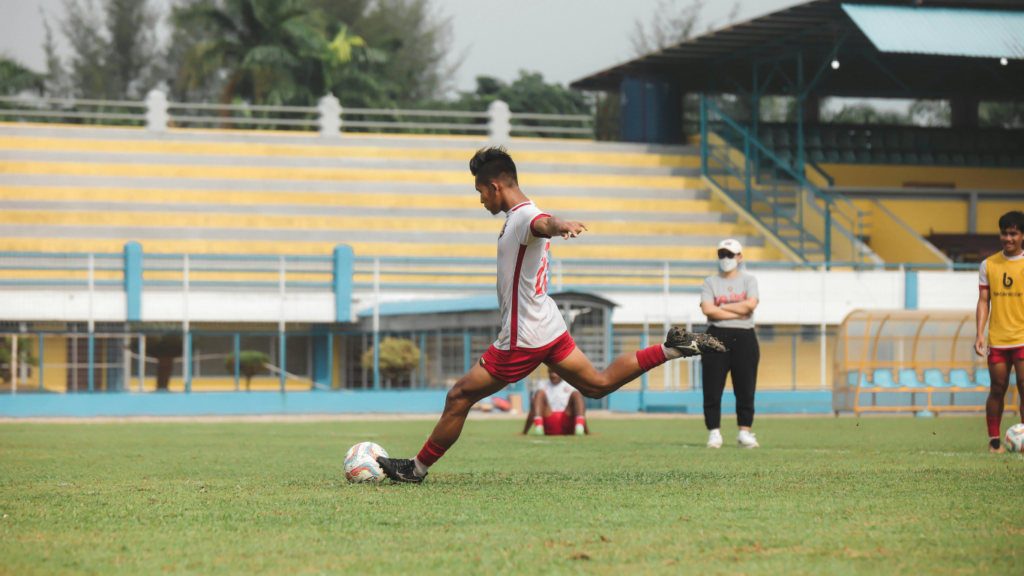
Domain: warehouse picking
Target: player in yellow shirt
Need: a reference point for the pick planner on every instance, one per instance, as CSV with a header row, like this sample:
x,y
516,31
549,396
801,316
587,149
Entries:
x,y
1002,290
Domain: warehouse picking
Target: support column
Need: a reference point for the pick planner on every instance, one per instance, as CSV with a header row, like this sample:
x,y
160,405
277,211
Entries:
x,y
467,362
283,363
42,360
238,361
330,360
133,280
343,263
423,360
142,361
800,114
186,361
910,291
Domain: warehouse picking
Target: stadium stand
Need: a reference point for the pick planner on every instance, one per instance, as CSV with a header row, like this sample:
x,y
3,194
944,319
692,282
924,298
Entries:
x,y
72,188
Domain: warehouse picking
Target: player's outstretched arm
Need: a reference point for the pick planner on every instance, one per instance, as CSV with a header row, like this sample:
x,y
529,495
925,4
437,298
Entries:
x,y
556,226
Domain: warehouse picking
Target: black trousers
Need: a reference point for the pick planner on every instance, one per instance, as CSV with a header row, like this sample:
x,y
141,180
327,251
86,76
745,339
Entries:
x,y
741,359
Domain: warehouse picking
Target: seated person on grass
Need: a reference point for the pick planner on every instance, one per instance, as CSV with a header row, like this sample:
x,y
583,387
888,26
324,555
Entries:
x,y
557,409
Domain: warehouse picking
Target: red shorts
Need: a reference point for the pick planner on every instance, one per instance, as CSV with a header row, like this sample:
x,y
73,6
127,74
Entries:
x,y
514,365
559,424
1005,355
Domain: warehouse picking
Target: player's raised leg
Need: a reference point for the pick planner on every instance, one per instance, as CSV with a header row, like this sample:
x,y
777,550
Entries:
x,y
476,385
999,374
593,383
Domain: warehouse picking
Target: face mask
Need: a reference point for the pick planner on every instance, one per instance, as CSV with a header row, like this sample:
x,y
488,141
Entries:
x,y
727,264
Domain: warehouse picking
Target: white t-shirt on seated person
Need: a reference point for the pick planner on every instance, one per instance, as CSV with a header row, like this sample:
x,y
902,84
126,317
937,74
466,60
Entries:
x,y
558,394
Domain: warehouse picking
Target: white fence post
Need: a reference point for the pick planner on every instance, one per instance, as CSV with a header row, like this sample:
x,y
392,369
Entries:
x,y
330,116
156,111
499,122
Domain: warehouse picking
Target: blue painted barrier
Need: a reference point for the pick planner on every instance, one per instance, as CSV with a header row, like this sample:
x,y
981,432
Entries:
x,y
358,402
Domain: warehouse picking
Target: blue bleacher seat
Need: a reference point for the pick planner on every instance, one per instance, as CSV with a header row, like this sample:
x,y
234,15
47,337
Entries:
x,y
981,378
851,379
883,378
909,379
960,379
933,378
911,158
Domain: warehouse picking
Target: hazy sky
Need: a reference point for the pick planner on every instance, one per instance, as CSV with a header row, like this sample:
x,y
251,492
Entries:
x,y
563,39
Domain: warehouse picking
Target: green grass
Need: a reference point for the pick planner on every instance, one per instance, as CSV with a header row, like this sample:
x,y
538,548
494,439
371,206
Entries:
x,y
824,495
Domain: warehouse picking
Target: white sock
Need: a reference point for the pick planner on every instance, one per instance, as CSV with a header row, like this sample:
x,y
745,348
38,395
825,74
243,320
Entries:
x,y
421,468
671,353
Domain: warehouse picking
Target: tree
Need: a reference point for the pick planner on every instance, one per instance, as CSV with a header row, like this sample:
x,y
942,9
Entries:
x,y
250,363
528,93
113,54
267,51
25,357
165,349
397,356
673,22
417,41
16,78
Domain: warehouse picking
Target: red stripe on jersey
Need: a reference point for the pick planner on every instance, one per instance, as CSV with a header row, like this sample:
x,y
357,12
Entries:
x,y
518,206
514,336
534,230
982,287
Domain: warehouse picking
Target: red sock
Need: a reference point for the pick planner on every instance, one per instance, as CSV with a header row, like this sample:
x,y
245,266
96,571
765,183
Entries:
x,y
993,426
538,421
581,420
651,357
430,453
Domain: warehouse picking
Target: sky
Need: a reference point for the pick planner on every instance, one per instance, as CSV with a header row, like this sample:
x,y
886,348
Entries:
x,y
565,40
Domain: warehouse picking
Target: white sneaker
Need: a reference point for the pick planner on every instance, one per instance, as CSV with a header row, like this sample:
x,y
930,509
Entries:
x,y
746,439
715,439
538,430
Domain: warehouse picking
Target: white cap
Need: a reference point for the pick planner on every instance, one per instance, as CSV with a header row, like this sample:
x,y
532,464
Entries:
x,y
731,245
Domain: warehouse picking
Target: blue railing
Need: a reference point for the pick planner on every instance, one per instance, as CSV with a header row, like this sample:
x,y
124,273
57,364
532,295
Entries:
x,y
777,194
314,272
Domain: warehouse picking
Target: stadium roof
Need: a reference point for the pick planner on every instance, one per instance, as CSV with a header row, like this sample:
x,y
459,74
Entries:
x,y
941,31
803,40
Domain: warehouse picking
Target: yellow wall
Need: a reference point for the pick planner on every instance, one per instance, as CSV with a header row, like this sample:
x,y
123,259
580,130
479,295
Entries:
x,y
891,240
884,176
949,216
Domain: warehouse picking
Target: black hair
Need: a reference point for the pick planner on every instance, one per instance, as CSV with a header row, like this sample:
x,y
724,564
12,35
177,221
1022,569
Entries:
x,y
1013,219
492,163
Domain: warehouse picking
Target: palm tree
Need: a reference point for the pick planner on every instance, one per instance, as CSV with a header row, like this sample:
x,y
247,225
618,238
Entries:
x,y
269,51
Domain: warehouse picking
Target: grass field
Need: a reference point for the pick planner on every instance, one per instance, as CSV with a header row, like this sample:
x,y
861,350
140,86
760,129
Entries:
x,y
823,496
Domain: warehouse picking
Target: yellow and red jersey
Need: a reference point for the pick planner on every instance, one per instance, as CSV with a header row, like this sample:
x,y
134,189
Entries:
x,y
1003,277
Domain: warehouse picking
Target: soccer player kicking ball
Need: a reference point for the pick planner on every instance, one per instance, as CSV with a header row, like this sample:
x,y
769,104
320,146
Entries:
x,y
557,409
532,328
1002,288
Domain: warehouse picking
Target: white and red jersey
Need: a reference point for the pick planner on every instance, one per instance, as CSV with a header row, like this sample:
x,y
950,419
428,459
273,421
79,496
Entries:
x,y
558,394
529,318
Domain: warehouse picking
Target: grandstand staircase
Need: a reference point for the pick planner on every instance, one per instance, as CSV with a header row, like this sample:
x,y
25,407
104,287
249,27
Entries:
x,y
242,192
778,197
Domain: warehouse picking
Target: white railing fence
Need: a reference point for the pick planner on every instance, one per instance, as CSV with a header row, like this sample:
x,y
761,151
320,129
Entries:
x,y
328,117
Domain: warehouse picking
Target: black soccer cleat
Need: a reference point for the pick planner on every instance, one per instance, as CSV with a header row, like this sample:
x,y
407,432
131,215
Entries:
x,y
399,470
692,344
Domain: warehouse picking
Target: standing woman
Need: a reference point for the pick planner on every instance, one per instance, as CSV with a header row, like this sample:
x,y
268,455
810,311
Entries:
x,y
728,299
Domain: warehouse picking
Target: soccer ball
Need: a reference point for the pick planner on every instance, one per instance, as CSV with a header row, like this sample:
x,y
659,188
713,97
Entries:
x,y
1014,438
361,463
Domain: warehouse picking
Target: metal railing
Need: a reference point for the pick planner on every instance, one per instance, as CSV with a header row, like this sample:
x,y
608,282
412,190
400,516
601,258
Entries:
x,y
254,273
817,226
328,117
